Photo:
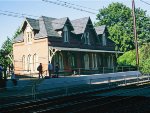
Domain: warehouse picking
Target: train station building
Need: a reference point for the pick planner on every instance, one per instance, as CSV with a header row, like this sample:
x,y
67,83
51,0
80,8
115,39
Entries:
x,y
73,44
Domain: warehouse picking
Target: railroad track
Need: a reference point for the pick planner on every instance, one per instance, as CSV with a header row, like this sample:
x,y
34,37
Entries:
x,y
75,104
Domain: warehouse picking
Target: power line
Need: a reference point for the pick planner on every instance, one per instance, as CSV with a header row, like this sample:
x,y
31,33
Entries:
x,y
77,5
23,14
17,15
12,15
145,2
68,6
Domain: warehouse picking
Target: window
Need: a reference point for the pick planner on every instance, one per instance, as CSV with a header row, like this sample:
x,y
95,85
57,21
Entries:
x,y
86,38
66,34
29,37
94,61
86,61
23,62
59,60
29,63
35,62
100,61
109,61
112,61
71,60
104,39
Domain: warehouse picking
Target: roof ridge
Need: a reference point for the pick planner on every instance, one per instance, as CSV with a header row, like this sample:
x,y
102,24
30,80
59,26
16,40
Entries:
x,y
99,26
30,18
80,18
47,17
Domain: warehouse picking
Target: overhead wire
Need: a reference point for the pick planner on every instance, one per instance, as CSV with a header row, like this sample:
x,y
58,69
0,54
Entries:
x,y
78,5
145,2
18,15
68,6
23,15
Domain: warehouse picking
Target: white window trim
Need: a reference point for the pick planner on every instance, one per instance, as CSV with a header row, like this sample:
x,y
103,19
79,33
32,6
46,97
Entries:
x,y
86,38
94,61
66,34
23,62
104,39
86,61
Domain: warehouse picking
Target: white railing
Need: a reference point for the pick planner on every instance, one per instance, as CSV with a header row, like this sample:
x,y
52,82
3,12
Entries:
x,y
32,91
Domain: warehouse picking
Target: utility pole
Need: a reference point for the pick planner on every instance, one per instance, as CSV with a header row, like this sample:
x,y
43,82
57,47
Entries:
x,y
135,33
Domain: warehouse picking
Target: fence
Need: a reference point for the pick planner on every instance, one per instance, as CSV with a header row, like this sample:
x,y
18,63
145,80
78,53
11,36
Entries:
x,y
79,71
31,90
98,70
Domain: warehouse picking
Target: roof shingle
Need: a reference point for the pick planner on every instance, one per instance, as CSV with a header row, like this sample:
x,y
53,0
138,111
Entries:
x,y
100,29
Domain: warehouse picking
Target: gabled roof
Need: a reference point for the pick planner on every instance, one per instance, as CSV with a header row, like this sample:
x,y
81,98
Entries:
x,y
46,27
80,25
59,23
32,22
100,29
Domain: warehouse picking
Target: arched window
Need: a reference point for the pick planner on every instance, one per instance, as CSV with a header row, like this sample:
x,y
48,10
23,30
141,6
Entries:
x,y
86,38
100,61
59,60
94,61
23,62
71,60
66,34
109,61
112,61
34,62
104,39
86,61
29,63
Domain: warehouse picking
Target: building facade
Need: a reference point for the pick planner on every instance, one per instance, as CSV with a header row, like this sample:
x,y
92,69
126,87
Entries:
x,y
72,44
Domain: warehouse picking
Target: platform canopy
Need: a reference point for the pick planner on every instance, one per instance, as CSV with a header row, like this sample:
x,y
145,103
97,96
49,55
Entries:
x,y
82,50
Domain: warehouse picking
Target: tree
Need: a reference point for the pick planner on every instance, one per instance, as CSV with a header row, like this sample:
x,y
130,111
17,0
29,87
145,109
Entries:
x,y
145,58
119,21
129,58
6,50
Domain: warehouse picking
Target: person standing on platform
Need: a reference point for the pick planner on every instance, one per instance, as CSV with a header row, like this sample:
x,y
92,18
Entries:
x,y
57,70
40,69
50,68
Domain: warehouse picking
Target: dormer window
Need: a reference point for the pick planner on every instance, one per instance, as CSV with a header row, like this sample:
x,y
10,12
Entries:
x,y
29,37
104,39
86,38
66,34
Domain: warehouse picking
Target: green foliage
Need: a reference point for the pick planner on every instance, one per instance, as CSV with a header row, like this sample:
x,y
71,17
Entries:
x,y
145,58
119,21
127,59
6,50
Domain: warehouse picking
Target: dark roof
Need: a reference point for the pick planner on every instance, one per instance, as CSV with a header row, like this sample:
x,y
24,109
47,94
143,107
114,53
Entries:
x,y
79,25
19,38
46,27
33,23
59,23
100,29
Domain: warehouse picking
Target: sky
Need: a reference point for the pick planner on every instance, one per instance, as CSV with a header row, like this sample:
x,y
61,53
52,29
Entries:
x,y
37,8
